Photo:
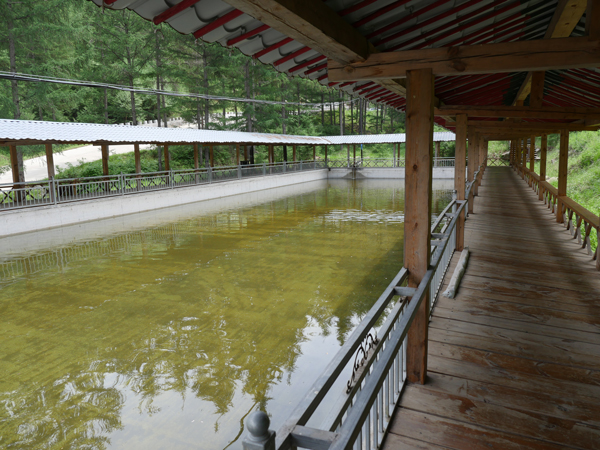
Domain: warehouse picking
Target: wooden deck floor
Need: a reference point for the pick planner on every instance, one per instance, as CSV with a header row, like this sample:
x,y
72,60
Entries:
x,y
514,359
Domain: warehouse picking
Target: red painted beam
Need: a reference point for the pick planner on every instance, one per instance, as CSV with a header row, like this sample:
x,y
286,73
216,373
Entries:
x,y
217,23
247,35
166,15
316,69
307,63
270,48
322,77
357,88
292,55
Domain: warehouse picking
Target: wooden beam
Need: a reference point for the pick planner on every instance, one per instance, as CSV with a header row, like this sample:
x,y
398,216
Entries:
x,y
524,112
505,57
537,89
325,154
417,212
524,156
476,162
592,19
211,155
312,23
237,154
314,152
460,159
566,16
563,166
294,152
526,126
532,155
104,150
50,161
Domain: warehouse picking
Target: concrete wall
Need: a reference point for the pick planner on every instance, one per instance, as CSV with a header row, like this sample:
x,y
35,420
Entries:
x,y
392,172
51,216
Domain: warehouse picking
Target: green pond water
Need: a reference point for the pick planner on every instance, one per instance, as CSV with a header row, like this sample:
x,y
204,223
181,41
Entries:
x,y
165,330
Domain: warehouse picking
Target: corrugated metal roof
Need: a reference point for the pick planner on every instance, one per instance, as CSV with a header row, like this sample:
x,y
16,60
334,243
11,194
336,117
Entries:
x,y
393,25
37,131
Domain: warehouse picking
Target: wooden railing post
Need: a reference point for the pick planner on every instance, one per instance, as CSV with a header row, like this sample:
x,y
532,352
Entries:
x,y
563,164
417,223
460,160
543,155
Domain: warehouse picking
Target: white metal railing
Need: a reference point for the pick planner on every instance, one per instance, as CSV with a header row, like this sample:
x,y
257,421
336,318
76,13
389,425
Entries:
x,y
64,190
378,357
359,163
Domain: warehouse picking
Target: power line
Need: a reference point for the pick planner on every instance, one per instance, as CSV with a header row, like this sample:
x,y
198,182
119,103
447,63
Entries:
x,y
94,84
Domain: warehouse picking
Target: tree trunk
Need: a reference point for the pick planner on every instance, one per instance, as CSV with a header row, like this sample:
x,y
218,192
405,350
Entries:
x,y
206,86
322,108
15,91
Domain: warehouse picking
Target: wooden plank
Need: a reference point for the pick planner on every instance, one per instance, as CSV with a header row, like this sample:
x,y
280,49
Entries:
x,y
505,57
523,112
460,158
592,19
455,434
417,212
527,424
543,377
563,408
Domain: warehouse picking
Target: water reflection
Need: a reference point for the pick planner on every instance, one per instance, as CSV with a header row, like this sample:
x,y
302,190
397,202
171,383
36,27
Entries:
x,y
167,337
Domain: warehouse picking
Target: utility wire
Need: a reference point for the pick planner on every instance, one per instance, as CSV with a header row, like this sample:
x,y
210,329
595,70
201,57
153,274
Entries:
x,y
94,84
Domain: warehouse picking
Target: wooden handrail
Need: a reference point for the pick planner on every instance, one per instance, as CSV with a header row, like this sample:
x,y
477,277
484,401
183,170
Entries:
x,y
587,215
548,187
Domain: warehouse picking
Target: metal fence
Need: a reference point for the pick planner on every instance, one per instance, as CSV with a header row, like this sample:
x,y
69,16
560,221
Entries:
x,y
377,358
64,190
383,163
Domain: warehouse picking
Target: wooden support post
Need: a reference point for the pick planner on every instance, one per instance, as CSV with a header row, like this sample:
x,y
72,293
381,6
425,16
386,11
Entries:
x,y
348,153
417,223
592,21
325,154
245,153
524,156
104,150
237,154
471,167
50,160
294,152
531,159
437,153
196,157
563,165
543,154
137,158
211,155
314,152
14,164
354,153
166,157
460,161
271,155
537,89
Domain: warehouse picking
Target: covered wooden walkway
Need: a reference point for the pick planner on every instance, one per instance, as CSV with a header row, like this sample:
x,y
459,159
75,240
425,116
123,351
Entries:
x,y
514,359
